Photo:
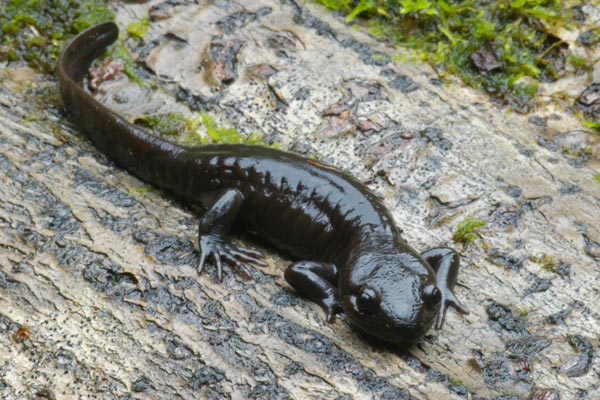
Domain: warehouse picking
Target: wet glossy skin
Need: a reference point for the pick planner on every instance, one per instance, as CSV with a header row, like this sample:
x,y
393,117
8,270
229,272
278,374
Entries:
x,y
351,255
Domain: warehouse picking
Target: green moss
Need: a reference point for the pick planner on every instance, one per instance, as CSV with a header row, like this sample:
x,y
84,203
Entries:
x,y
466,230
228,135
592,124
597,177
90,13
513,34
140,190
456,381
523,311
34,116
578,152
120,52
185,129
139,28
546,262
34,31
578,61
174,124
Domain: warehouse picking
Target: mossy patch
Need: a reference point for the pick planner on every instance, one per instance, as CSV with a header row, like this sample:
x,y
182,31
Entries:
x,y
592,124
504,47
546,262
120,52
466,230
139,28
186,129
34,31
174,124
523,311
577,152
141,190
221,134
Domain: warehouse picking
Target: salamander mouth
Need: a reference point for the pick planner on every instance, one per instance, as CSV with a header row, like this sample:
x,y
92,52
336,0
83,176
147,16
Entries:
x,y
377,327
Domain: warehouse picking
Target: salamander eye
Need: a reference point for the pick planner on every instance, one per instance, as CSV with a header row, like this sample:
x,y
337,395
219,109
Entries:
x,y
431,295
367,300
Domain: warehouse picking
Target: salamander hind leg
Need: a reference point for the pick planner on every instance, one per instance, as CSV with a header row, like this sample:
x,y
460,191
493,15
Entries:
x,y
445,262
317,282
213,233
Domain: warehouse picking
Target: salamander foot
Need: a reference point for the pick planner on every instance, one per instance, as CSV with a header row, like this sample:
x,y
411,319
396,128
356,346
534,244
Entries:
x,y
445,262
233,254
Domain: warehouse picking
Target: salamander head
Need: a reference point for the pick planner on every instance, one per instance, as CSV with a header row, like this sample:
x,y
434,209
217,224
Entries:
x,y
394,302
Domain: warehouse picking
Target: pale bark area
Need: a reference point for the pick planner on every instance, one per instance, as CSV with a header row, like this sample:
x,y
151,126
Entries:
x,y
99,296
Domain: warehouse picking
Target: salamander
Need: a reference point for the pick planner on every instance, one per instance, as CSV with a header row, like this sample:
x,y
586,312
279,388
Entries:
x,y
348,253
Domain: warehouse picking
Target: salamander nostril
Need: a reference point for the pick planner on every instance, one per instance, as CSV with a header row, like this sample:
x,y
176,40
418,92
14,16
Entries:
x,y
431,295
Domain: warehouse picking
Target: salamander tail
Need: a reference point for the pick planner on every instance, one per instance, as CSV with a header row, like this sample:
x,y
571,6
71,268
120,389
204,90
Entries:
x,y
125,143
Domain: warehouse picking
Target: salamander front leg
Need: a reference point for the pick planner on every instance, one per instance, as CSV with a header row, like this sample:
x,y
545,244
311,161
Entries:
x,y
215,226
316,281
445,262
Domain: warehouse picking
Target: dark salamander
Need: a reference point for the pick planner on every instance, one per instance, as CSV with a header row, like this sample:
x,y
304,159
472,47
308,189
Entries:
x,y
350,254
